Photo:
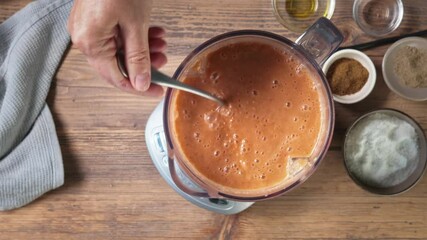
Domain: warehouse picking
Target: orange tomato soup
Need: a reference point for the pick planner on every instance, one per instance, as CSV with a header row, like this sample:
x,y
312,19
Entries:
x,y
272,115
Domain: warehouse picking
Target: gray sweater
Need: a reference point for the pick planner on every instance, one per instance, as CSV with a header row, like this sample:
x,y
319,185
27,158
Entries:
x,y
32,43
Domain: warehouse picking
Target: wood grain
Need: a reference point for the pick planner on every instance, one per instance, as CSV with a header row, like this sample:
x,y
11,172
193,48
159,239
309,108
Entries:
x,y
112,190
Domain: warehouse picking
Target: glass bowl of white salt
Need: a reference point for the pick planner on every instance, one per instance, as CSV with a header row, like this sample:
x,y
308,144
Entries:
x,y
385,152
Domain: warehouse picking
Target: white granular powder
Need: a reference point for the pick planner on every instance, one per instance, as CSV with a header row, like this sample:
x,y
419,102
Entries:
x,y
382,150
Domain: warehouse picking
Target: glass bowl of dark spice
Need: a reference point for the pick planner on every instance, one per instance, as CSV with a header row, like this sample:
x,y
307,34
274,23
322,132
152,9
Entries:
x,y
351,75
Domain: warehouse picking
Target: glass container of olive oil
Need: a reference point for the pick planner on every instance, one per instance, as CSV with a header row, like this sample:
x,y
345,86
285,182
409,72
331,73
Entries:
x,y
298,15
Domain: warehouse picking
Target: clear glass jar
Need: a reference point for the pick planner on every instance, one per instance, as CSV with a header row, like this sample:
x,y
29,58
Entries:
x,y
312,48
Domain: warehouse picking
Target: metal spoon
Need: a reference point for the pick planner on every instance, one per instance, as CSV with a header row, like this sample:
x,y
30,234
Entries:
x,y
161,79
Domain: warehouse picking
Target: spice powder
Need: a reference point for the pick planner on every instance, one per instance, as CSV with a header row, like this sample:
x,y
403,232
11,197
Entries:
x,y
410,66
346,76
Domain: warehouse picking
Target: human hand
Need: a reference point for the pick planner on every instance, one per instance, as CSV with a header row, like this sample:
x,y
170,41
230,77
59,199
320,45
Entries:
x,y
100,28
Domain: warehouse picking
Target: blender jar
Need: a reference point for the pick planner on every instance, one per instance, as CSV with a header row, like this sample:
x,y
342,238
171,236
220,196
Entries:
x,y
311,49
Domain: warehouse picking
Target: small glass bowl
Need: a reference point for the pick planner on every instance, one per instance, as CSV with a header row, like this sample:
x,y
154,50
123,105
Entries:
x,y
378,18
413,178
298,15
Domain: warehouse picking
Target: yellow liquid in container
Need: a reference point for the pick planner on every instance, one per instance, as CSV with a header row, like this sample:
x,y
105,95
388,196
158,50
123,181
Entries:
x,y
301,9
298,15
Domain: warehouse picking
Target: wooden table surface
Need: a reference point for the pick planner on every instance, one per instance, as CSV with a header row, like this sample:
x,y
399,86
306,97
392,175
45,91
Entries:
x,y
113,191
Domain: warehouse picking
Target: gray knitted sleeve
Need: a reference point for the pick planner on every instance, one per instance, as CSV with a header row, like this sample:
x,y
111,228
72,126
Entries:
x,y
32,43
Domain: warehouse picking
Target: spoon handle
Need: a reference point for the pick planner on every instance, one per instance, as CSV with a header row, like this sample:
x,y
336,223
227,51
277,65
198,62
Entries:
x,y
164,80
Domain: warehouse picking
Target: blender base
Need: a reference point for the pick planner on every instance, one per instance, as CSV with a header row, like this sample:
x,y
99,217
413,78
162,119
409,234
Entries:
x,y
156,144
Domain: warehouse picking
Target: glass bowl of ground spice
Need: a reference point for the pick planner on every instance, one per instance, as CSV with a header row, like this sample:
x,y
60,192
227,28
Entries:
x,y
404,68
351,75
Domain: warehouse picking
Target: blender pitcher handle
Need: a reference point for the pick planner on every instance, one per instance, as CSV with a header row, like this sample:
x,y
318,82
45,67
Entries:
x,y
178,181
321,40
